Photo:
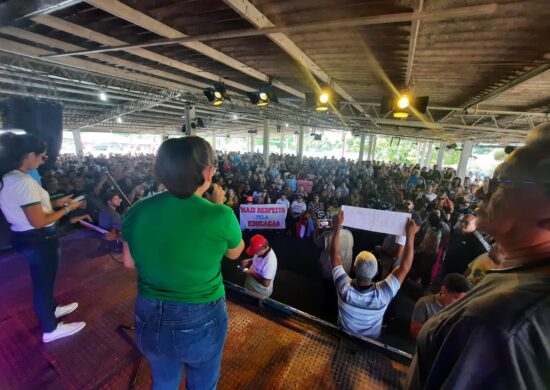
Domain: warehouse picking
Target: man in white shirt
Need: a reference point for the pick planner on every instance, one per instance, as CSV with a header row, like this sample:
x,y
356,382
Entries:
x,y
263,266
362,303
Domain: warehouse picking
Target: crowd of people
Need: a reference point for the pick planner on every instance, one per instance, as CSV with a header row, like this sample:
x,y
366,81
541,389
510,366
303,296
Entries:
x,y
441,256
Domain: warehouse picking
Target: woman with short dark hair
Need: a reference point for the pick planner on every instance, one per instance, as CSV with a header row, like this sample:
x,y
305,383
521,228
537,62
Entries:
x,y
30,212
177,240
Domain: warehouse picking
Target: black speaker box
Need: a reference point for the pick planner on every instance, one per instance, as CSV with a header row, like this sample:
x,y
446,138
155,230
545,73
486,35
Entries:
x,y
41,117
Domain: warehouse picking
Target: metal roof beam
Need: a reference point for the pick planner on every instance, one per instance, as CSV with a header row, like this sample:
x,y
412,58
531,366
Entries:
x,y
492,92
89,66
14,11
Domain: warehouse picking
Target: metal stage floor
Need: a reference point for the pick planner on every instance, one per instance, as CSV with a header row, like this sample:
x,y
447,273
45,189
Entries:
x,y
266,348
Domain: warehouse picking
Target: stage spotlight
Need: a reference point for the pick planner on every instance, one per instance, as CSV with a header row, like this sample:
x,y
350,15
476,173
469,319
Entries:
x,y
216,95
403,102
403,105
323,100
263,96
103,96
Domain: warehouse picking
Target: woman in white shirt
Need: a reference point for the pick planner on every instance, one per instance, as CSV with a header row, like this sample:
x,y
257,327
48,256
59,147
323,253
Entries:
x,y
28,209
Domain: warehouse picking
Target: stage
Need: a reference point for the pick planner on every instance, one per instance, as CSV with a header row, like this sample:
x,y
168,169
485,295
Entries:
x,y
266,348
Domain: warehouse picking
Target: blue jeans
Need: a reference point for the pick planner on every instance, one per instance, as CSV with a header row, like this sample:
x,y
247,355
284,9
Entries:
x,y
174,335
41,249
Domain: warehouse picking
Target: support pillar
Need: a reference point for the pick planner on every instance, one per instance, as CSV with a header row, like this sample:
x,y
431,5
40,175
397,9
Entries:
x,y
428,155
282,143
343,144
441,154
78,143
301,144
252,142
467,147
361,147
189,117
372,147
266,142
422,146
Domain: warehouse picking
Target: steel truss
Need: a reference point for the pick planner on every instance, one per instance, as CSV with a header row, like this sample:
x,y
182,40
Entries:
x,y
154,109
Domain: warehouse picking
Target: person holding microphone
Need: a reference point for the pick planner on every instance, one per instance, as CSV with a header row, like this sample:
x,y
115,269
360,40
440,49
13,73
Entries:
x,y
29,211
176,240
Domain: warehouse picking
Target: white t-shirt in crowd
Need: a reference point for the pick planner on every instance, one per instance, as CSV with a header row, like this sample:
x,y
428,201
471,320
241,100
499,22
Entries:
x,y
298,207
283,202
19,191
361,312
265,266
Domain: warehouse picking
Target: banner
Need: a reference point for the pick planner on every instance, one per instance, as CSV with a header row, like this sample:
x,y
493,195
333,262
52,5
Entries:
x,y
307,184
262,216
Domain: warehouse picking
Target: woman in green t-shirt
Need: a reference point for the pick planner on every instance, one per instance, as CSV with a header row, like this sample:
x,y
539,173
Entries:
x,y
176,240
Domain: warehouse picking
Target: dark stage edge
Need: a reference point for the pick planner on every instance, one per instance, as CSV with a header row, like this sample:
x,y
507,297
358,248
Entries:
x,y
266,348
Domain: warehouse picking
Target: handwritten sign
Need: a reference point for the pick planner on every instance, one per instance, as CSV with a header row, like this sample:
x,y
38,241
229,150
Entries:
x,y
263,216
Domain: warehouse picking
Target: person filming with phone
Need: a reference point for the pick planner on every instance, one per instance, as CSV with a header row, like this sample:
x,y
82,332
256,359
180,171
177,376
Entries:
x,y
33,217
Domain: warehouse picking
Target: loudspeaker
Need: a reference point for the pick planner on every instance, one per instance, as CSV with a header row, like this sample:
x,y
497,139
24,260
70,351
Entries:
x,y
41,117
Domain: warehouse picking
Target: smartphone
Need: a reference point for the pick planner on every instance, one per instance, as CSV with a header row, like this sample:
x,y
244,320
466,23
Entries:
x,y
78,198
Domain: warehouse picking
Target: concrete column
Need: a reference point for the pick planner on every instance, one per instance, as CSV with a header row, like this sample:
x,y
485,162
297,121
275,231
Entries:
x,y
189,116
467,147
361,147
422,145
344,144
428,156
78,143
282,145
372,147
369,151
301,144
252,142
441,154
266,141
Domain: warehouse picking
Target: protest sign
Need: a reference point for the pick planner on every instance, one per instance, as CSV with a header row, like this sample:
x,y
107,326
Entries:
x,y
263,216
307,184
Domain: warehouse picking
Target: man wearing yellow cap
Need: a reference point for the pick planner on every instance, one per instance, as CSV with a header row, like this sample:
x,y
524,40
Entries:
x,y
362,303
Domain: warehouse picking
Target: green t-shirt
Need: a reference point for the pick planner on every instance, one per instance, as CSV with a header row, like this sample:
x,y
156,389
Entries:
x,y
178,244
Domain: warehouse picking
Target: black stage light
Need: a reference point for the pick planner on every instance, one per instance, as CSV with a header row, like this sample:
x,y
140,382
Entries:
x,y
323,100
217,95
401,106
262,97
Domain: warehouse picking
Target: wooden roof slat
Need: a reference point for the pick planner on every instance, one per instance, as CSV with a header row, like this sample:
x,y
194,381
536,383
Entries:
x,y
127,13
94,36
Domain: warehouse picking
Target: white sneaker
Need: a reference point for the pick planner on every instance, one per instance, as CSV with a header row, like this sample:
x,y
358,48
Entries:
x,y
63,330
61,311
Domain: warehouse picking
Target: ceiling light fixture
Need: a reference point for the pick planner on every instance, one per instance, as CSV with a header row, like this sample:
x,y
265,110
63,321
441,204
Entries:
x,y
217,95
263,96
103,96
